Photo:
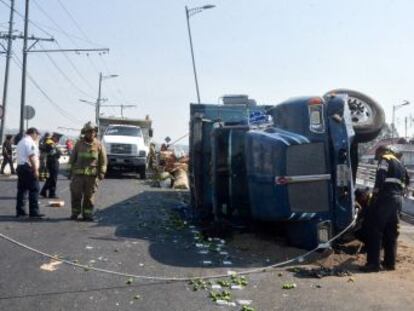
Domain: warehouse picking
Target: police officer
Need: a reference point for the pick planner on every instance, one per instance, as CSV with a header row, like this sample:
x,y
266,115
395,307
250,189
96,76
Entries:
x,y
88,166
53,154
7,154
28,174
383,215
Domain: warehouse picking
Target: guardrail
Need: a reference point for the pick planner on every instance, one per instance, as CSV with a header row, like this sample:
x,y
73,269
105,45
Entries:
x,y
366,176
62,148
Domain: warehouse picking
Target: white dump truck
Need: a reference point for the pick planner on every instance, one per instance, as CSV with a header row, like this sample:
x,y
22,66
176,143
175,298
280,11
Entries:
x,y
127,143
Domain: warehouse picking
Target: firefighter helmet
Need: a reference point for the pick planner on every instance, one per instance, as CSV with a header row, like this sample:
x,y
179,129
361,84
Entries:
x,y
89,127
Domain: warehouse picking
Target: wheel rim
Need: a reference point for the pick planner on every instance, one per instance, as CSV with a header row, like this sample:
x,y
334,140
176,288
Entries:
x,y
361,112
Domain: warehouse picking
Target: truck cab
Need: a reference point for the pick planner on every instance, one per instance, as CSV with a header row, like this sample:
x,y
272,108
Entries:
x,y
291,164
126,148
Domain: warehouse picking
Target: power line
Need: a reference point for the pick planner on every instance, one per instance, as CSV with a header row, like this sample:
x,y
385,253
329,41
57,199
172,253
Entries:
x,y
62,111
70,39
74,21
77,25
30,21
65,76
75,68
68,34
122,98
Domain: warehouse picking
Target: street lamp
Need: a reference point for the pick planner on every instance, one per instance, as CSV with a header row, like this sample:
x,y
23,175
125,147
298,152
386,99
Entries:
x,y
188,13
395,108
99,99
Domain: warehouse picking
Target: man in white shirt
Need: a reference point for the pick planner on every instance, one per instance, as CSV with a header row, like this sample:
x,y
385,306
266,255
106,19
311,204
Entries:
x,y
28,174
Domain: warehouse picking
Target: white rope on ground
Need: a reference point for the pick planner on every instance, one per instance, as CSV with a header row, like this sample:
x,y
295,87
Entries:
x,y
298,259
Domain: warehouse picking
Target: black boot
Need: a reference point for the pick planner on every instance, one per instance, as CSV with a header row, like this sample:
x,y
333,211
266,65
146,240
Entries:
x,y
368,268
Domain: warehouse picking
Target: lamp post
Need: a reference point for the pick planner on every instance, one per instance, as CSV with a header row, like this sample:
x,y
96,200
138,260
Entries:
x,y
99,100
394,109
188,13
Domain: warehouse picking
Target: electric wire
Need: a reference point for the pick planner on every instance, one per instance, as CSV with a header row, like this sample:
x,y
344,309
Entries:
x,y
86,37
77,25
49,34
30,21
60,47
62,111
64,75
297,259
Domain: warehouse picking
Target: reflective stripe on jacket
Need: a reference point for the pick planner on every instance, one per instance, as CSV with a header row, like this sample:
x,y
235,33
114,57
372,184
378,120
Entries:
x,y
88,158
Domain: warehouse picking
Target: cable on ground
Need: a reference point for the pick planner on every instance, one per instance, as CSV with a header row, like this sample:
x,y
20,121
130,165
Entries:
x,y
298,259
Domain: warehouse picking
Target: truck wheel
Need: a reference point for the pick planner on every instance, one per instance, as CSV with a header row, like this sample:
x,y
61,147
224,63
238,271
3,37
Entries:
x,y
368,117
142,173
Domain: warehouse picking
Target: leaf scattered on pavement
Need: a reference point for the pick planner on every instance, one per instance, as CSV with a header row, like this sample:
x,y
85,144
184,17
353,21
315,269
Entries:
x,y
289,286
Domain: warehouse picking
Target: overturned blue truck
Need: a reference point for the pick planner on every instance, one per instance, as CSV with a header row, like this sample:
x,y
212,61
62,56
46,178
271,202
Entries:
x,y
292,165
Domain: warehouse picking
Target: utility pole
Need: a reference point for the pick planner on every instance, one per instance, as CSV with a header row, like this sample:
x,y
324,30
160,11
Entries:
x,y
6,71
27,50
24,67
188,13
406,127
395,108
98,101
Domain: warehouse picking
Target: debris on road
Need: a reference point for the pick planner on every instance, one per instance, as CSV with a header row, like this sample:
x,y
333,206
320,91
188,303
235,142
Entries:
x,y
224,295
198,284
320,272
51,266
171,171
57,204
244,302
289,286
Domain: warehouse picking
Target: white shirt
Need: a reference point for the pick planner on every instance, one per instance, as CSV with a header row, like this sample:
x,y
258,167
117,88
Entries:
x,y
26,148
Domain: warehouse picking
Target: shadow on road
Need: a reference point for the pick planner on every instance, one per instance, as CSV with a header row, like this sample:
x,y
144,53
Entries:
x,y
162,217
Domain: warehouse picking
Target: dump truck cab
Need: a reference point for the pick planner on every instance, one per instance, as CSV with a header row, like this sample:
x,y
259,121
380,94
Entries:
x,y
289,164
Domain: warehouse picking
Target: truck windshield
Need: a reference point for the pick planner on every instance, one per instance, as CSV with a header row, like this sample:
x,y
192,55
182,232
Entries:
x,y
123,131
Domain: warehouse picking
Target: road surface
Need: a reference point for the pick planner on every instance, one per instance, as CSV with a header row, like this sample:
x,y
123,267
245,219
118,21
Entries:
x,y
138,231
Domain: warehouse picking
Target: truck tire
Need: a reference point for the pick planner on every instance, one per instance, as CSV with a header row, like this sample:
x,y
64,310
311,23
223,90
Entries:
x,y
368,117
142,172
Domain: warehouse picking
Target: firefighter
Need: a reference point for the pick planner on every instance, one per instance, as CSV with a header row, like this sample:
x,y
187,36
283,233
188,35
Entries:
x,y
52,155
88,166
382,218
43,173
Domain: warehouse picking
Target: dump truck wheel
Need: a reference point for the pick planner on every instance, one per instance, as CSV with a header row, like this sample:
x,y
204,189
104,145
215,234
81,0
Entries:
x,y
368,117
142,172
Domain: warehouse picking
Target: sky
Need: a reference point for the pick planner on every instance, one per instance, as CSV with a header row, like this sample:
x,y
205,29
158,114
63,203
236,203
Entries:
x,y
271,50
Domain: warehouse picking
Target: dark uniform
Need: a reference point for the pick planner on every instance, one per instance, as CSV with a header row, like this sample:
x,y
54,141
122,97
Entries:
x,y
52,155
7,155
27,172
43,172
383,214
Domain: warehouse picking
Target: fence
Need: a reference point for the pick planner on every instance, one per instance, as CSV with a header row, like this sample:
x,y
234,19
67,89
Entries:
x,y
366,176
63,149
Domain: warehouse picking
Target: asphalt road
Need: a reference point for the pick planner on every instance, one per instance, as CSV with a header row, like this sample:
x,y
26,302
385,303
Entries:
x,y
137,231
